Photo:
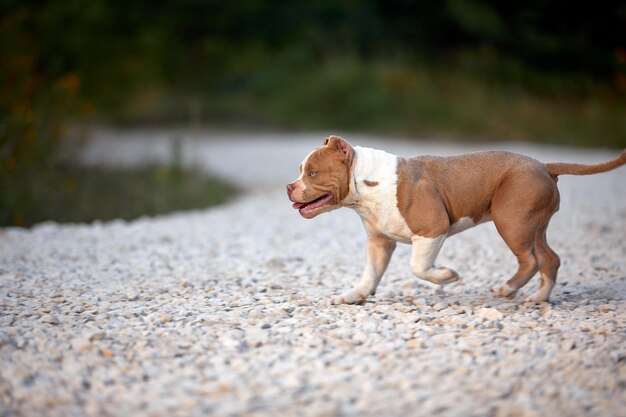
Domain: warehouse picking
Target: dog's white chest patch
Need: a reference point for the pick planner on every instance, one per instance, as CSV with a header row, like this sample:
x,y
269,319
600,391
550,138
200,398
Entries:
x,y
375,183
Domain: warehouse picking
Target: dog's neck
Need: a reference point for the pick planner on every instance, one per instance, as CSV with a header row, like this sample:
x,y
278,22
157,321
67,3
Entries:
x,y
373,171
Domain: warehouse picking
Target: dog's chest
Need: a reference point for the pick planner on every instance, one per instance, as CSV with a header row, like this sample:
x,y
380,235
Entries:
x,y
376,182
380,217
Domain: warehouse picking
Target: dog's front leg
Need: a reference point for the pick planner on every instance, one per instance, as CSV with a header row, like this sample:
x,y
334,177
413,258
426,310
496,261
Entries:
x,y
379,251
424,251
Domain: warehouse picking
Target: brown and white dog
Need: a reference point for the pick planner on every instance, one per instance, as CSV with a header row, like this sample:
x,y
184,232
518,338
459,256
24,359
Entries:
x,y
425,199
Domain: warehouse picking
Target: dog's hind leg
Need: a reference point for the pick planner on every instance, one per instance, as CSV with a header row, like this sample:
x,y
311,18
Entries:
x,y
528,266
521,212
549,267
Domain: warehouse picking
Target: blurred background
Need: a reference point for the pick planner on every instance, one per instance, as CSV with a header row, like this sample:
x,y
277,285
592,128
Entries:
x,y
467,70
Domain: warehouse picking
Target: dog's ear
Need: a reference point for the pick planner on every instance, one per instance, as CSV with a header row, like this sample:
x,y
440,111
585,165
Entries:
x,y
338,144
332,139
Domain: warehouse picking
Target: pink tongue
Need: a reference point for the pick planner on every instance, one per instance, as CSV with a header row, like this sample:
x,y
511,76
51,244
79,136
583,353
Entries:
x,y
298,206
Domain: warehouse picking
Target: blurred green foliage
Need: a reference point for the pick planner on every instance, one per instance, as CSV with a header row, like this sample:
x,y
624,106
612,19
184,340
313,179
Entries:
x,y
71,193
164,61
534,70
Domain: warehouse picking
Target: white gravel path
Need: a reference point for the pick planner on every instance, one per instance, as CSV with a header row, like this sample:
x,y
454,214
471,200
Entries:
x,y
226,311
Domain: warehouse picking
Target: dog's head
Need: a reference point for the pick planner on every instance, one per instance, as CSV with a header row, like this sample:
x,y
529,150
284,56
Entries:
x,y
324,179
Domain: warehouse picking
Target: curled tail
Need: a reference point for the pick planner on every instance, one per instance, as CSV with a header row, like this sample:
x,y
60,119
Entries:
x,y
559,168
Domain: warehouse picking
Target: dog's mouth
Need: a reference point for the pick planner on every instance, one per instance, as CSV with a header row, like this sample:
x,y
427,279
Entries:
x,y
310,207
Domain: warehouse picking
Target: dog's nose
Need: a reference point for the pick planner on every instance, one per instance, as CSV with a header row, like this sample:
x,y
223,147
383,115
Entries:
x,y
290,187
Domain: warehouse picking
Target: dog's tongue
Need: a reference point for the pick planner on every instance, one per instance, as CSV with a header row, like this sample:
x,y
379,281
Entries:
x,y
298,206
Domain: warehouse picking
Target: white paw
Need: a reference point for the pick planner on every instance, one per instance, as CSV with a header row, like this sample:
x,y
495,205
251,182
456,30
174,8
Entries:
x,y
443,275
503,291
536,298
350,297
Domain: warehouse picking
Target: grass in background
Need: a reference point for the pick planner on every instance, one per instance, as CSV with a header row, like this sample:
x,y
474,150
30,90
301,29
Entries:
x,y
71,193
415,101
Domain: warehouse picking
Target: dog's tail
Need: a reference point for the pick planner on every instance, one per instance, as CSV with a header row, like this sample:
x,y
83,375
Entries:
x,y
559,168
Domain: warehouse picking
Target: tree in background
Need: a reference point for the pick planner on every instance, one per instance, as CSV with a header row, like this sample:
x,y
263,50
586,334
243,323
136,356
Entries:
x,y
145,60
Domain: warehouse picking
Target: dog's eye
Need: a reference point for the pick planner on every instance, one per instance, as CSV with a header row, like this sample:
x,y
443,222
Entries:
x,y
312,173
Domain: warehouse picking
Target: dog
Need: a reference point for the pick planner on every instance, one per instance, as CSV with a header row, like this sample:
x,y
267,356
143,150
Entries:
x,y
425,199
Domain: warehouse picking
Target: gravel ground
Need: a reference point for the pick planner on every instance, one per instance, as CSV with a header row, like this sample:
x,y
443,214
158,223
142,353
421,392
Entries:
x,y
226,311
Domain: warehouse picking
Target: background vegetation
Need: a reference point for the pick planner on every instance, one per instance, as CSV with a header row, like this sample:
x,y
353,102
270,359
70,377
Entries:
x,y
72,193
550,71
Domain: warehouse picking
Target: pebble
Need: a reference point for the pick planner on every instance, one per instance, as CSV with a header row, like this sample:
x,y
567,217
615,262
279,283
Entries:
x,y
81,344
226,311
440,305
97,336
567,344
49,319
489,313
415,344
546,309
133,296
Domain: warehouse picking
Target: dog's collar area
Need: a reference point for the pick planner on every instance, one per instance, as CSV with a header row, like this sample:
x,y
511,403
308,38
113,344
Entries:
x,y
355,190
357,196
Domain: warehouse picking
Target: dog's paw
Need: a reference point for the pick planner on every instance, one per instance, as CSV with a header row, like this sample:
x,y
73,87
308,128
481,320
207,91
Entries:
x,y
350,297
536,298
503,291
443,275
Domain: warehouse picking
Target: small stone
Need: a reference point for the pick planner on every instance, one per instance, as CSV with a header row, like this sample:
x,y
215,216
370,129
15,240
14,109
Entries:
x,y
618,357
440,306
507,307
255,342
81,343
567,344
545,309
97,336
415,344
420,302
402,307
185,344
489,313
27,311
7,321
606,308
49,319
132,296
360,337
448,311
492,324
454,301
